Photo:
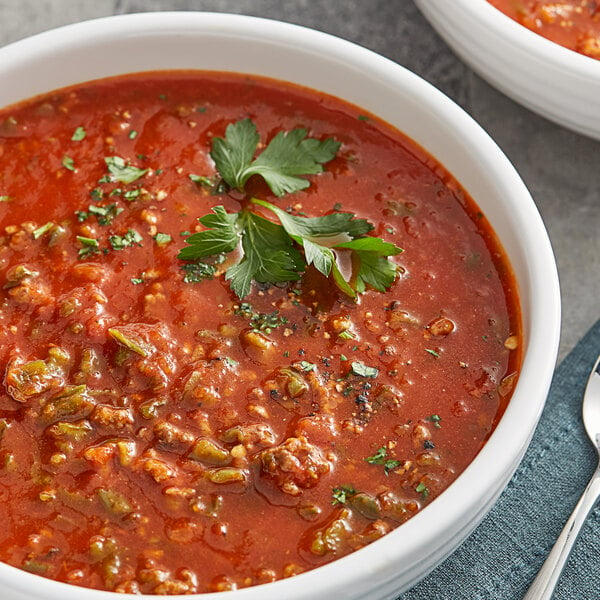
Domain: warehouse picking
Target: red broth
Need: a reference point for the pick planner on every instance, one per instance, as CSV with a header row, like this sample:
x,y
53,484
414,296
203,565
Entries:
x,y
574,24
251,440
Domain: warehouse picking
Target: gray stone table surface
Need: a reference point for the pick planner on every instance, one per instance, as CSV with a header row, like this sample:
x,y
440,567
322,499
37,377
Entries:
x,y
560,168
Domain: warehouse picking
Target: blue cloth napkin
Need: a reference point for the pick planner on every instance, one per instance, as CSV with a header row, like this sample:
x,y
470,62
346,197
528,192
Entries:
x,y
503,555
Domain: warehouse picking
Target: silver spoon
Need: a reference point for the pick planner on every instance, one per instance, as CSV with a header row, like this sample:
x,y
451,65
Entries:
x,y
543,585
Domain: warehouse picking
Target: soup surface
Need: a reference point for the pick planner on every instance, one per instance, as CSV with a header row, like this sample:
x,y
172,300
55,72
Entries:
x,y
574,24
162,431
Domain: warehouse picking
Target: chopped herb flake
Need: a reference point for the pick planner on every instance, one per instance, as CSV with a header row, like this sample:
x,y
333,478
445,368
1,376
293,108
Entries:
x,y
362,370
68,163
342,493
132,194
306,366
40,231
121,171
435,419
104,214
89,246
197,271
380,458
78,135
422,489
162,239
201,180
119,242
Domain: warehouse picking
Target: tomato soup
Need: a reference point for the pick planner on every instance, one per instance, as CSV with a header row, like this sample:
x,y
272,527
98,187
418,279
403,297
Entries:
x,y
574,24
163,431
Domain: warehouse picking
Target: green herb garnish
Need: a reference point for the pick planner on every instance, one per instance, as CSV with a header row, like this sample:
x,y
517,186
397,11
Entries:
x,y
305,366
119,242
78,134
68,163
162,239
89,246
121,171
132,194
279,252
422,489
197,271
342,493
104,214
435,419
40,231
264,322
201,180
270,254
288,155
380,458
362,370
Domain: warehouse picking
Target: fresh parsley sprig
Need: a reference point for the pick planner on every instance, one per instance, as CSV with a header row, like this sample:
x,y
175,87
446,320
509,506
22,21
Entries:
x,y
270,253
288,155
277,252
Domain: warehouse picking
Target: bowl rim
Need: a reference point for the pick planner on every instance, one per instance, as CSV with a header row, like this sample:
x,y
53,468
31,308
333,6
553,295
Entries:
x,y
359,565
529,41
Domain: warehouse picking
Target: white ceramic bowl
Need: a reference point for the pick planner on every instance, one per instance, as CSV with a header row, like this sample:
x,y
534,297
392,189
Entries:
x,y
555,82
226,42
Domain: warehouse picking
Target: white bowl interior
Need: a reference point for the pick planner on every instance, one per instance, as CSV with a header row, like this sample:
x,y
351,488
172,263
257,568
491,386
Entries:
x,y
243,44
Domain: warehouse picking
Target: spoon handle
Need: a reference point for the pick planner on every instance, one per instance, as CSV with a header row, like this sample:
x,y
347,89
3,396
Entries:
x,y
543,585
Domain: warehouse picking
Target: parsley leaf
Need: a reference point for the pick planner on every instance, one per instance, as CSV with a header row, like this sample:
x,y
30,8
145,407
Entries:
x,y
287,156
268,255
121,171
222,235
374,268
320,235
104,214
